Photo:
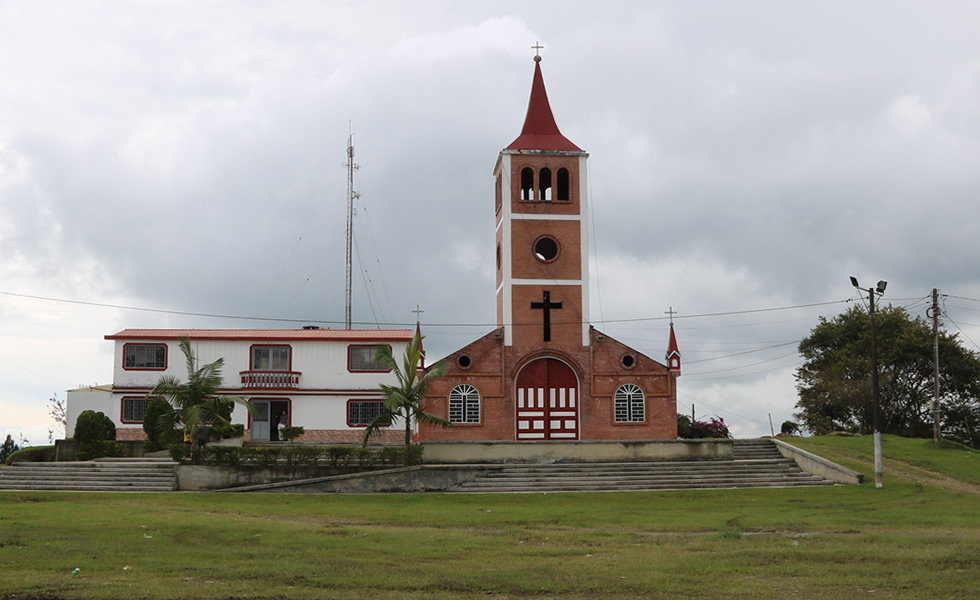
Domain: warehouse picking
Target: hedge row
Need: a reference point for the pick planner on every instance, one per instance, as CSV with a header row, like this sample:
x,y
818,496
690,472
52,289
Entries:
x,y
233,456
32,454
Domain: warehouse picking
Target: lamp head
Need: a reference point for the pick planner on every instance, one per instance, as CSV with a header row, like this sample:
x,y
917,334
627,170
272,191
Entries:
x,y
881,286
854,282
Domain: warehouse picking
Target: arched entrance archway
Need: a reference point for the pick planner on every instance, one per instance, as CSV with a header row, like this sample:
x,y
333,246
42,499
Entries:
x,y
547,401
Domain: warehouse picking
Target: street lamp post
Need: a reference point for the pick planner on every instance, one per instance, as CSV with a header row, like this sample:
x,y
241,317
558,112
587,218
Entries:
x,y
876,396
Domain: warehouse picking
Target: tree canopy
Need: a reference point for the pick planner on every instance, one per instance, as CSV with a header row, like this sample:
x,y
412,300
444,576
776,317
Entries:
x,y
834,382
195,401
9,447
406,401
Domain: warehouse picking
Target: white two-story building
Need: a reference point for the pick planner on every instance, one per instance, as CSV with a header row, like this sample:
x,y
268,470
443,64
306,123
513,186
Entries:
x,y
325,380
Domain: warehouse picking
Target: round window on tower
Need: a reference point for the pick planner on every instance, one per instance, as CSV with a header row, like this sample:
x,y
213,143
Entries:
x,y
546,248
628,361
464,361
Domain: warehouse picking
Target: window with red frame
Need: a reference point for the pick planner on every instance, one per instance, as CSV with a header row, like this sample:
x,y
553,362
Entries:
x,y
134,409
270,358
145,356
364,358
360,413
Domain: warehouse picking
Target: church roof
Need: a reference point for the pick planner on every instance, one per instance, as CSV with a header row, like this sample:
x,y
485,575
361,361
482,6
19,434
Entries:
x,y
540,129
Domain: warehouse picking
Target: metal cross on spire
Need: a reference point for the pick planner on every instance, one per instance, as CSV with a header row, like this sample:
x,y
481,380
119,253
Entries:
x,y
537,51
418,314
671,312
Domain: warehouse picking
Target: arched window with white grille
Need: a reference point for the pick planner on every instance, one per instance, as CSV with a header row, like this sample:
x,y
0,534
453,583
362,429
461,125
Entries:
x,y
464,404
630,404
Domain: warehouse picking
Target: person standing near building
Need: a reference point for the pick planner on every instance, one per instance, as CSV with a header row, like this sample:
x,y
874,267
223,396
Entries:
x,y
203,432
281,422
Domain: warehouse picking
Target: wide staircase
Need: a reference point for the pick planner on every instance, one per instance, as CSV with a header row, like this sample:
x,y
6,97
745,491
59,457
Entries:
x,y
755,463
99,475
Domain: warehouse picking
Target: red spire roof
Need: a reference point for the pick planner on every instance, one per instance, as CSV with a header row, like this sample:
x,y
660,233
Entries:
x,y
540,129
418,334
673,354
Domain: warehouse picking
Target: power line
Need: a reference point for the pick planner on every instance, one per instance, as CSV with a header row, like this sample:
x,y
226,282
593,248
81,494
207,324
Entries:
x,y
406,324
743,353
697,401
960,329
794,353
961,298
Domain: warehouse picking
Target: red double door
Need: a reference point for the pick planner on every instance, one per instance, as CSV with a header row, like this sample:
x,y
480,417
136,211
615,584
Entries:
x,y
547,401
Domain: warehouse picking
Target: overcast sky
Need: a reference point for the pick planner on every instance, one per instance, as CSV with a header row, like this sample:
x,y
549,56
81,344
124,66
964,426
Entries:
x,y
189,157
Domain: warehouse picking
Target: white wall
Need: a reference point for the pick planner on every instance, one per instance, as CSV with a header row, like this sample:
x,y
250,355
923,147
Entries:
x,y
320,401
89,399
323,364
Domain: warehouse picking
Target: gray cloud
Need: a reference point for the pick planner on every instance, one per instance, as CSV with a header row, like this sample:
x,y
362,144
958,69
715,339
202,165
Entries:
x,y
190,157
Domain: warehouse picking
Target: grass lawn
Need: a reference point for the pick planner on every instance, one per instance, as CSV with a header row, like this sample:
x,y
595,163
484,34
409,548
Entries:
x,y
919,537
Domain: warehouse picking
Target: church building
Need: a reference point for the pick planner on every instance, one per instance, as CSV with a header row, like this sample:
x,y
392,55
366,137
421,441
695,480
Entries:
x,y
545,373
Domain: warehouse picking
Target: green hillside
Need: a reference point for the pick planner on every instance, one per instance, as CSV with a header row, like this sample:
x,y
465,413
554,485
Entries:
x,y
904,457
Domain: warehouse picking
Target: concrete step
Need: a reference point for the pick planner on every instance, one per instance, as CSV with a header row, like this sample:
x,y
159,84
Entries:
x,y
655,467
756,463
653,484
635,488
500,475
754,449
114,474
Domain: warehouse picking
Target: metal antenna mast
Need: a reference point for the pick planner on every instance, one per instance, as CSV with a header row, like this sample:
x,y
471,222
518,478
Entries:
x,y
351,195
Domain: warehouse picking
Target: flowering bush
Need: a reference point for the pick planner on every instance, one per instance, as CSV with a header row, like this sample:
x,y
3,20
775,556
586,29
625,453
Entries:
x,y
696,430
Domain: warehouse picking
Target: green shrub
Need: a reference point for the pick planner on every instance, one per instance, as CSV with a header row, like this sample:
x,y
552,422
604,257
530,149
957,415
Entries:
x,y
696,430
227,431
340,455
415,453
392,455
229,456
289,434
261,456
98,449
92,429
304,455
158,436
178,451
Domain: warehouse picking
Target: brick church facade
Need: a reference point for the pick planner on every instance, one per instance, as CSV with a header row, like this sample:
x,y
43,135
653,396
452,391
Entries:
x,y
545,373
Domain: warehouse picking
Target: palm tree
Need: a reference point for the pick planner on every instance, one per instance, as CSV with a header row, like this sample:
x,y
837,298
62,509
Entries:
x,y
195,401
406,400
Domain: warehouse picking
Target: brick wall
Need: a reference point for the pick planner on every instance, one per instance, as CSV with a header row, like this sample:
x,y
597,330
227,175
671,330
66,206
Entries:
x,y
494,368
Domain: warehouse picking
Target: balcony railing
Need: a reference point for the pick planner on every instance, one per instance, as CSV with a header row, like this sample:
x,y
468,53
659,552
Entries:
x,y
270,379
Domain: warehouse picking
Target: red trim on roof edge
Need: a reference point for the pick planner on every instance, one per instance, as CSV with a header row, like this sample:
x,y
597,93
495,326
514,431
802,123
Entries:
x,y
255,335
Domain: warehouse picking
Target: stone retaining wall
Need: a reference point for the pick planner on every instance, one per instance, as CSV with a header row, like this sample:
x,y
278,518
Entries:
x,y
548,452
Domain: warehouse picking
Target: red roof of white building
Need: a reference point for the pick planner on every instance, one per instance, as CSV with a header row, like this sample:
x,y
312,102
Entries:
x,y
327,335
540,129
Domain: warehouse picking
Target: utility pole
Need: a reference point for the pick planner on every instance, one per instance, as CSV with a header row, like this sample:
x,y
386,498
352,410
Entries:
x,y
351,195
879,478
876,418
936,433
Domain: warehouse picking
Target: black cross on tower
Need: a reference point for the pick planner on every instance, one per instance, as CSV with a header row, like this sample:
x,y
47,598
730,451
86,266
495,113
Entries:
x,y
547,305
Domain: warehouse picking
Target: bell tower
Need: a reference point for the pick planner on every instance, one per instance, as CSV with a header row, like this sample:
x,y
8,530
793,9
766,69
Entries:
x,y
542,232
